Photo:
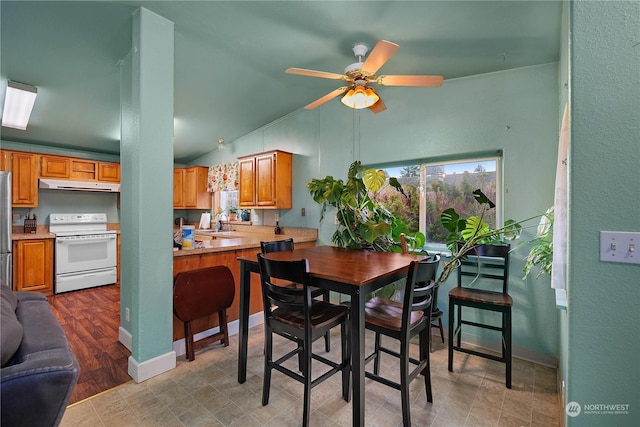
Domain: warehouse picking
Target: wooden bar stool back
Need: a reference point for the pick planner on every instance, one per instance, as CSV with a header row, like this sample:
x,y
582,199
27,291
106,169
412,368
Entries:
x,y
436,313
292,313
488,263
200,293
403,321
288,245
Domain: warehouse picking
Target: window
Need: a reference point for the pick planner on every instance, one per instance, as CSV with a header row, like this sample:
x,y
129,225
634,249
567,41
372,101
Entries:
x,y
434,187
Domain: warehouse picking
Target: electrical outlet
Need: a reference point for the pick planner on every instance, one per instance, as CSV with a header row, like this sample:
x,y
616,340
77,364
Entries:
x,y
620,246
276,217
126,314
16,217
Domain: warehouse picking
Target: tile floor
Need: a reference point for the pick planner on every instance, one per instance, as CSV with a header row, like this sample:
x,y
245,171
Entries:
x,y
205,392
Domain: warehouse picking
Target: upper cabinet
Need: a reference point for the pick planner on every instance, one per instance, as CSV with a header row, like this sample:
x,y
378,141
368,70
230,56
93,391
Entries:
x,y
24,177
55,167
61,167
190,188
109,172
178,188
26,168
265,180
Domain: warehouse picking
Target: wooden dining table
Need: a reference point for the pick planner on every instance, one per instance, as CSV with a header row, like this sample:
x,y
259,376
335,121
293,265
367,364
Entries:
x,y
352,272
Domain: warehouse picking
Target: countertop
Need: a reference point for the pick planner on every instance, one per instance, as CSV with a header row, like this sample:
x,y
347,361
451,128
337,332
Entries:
x,y
233,240
42,232
224,241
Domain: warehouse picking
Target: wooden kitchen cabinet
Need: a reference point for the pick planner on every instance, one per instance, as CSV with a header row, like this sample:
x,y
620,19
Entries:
x,y
190,188
178,185
265,180
109,172
33,265
5,160
55,167
24,177
62,167
83,170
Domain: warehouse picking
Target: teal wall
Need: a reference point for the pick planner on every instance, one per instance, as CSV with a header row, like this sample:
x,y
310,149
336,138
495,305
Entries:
x,y
603,314
564,91
514,111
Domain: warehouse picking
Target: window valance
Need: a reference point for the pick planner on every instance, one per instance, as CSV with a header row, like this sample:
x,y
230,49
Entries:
x,y
223,177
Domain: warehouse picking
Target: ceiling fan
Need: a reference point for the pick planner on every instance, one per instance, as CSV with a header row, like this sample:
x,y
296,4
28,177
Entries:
x,y
360,75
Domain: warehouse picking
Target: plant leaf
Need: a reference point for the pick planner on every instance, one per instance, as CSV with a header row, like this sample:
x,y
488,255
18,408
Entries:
x,y
475,226
512,229
483,199
396,184
354,169
374,180
449,219
372,230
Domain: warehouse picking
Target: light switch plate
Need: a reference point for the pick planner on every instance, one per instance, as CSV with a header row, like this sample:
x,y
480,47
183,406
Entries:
x,y
620,246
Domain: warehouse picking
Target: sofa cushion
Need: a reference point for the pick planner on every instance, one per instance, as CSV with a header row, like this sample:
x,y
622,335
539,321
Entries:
x,y
7,295
10,328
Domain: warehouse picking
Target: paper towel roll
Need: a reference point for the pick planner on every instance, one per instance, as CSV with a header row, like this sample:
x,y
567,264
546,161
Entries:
x,y
205,221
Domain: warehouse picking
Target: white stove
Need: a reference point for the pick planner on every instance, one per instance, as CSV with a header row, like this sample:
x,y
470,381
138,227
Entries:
x,y
85,253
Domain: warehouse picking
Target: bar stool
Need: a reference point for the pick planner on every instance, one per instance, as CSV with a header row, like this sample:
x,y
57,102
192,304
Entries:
x,y
200,293
489,261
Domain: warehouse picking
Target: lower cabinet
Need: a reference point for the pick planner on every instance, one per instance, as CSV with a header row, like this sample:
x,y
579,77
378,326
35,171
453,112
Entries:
x,y
33,265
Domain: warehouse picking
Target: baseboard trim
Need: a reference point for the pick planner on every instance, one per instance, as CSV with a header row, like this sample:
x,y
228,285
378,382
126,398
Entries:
x,y
125,338
180,347
517,352
152,367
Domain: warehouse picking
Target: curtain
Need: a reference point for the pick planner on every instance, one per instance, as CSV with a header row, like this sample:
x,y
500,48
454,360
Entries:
x,y
559,269
223,177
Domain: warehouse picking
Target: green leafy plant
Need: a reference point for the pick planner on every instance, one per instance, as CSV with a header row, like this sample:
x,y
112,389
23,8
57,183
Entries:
x,y
465,234
363,222
541,251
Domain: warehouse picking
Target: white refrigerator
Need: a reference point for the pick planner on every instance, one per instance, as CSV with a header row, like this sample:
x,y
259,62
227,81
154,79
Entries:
x,y
5,229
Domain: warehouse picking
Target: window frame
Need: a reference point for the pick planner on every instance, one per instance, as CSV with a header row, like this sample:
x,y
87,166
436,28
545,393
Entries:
x,y
424,163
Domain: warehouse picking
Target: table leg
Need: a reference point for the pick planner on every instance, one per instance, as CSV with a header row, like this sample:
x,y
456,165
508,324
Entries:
x,y
245,289
357,357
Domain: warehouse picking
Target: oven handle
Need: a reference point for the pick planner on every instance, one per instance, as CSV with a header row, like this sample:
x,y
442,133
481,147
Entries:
x,y
72,241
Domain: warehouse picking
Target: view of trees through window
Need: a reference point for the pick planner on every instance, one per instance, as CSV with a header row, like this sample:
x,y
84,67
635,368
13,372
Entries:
x,y
446,185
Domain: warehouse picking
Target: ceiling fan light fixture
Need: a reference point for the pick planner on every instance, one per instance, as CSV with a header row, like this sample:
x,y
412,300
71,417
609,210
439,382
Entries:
x,y
360,97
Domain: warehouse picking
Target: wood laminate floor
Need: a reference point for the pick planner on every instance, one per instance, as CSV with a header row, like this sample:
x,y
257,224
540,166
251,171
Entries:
x,y
91,319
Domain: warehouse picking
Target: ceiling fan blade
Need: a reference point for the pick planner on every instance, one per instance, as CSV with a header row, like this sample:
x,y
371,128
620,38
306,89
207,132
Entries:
x,y
378,107
313,73
378,56
427,81
326,98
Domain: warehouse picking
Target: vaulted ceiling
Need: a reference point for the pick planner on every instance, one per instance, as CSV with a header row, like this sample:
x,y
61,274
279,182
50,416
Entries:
x,y
230,58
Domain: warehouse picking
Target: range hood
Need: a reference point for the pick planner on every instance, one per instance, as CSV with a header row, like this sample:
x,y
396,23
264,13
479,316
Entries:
x,y
59,184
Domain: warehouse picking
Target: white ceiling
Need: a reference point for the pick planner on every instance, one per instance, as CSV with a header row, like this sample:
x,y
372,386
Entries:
x,y
231,56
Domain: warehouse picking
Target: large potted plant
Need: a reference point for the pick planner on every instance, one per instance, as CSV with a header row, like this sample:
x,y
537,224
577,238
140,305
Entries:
x,y
363,222
465,234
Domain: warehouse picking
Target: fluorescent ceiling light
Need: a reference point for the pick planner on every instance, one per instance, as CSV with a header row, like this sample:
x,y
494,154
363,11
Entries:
x,y
18,103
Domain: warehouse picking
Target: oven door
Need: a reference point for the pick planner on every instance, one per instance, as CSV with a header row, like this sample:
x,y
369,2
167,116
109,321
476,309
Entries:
x,y
85,252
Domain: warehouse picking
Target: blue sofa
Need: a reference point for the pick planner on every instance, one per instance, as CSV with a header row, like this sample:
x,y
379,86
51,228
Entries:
x,y
39,370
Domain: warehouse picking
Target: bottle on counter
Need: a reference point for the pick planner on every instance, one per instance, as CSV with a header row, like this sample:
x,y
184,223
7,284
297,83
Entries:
x,y
277,230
